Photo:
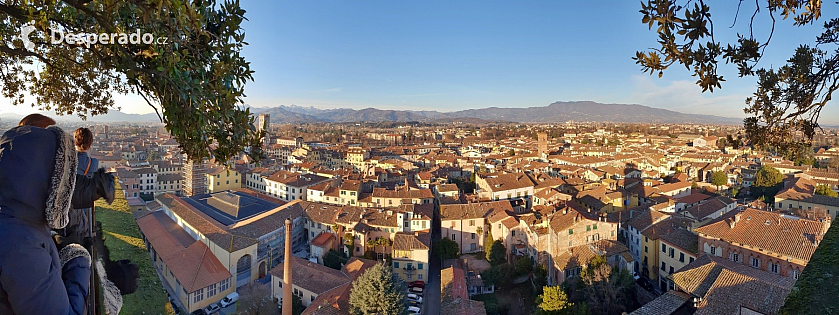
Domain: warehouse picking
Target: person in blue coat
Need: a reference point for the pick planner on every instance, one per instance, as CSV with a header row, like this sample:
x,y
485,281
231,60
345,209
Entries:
x,y
37,177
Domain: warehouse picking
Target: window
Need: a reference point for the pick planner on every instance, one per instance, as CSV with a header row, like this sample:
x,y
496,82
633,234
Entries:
x,y
471,222
513,233
713,250
319,226
313,298
419,266
198,295
755,262
419,276
773,267
794,274
396,264
663,248
588,227
681,257
223,285
227,183
671,270
663,266
671,252
646,239
570,231
453,237
646,249
211,290
735,257
410,276
594,227
691,259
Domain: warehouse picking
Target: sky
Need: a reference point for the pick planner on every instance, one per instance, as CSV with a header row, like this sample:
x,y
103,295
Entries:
x,y
455,55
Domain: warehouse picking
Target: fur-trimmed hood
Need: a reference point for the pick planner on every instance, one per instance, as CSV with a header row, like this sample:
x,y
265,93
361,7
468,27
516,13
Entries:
x,y
37,175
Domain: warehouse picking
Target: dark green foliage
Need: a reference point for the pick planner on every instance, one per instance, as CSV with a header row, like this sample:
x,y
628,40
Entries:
x,y
378,291
194,81
446,249
497,253
815,291
788,99
603,288
768,181
523,266
500,275
334,259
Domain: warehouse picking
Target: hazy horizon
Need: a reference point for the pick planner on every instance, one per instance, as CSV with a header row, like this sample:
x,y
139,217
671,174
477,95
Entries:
x,y
447,57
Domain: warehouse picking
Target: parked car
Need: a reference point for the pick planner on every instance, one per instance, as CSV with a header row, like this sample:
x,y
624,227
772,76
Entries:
x,y
229,299
212,308
418,283
198,312
414,309
417,290
414,303
414,297
645,283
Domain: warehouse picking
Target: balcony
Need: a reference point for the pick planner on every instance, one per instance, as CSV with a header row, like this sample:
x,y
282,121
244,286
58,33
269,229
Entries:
x,y
410,269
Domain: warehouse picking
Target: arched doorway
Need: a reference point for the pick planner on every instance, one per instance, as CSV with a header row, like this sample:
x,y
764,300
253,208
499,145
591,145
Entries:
x,y
262,269
243,270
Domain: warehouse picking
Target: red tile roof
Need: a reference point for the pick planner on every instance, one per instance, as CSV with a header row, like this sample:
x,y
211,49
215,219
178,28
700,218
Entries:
x,y
769,231
194,265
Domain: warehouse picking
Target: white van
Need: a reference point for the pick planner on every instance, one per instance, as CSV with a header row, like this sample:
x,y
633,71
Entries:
x,y
229,299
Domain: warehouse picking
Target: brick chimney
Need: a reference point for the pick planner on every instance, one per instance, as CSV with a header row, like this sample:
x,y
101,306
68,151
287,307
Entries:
x,y
287,294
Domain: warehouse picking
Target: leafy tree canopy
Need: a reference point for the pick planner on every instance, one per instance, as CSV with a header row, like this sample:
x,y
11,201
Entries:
x,y
784,110
497,253
768,176
447,249
825,190
190,71
552,301
378,291
719,179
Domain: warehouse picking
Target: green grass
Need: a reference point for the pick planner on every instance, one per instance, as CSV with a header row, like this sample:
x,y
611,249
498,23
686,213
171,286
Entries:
x,y
816,290
122,237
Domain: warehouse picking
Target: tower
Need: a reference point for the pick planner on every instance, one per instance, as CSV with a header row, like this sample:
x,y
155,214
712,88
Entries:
x,y
194,178
263,122
543,144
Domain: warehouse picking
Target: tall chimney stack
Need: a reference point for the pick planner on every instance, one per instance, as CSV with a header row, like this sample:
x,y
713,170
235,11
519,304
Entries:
x,y
287,270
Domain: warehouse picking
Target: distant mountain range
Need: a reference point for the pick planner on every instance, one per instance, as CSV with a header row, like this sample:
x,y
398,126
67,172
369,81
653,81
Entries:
x,y
557,112
112,116
553,113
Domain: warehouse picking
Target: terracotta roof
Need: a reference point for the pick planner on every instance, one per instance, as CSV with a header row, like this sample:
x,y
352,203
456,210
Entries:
x,y
311,276
473,210
725,286
323,239
693,198
402,193
769,231
645,218
408,242
665,304
192,263
336,301
580,255
454,295
508,181
708,207
321,213
683,239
